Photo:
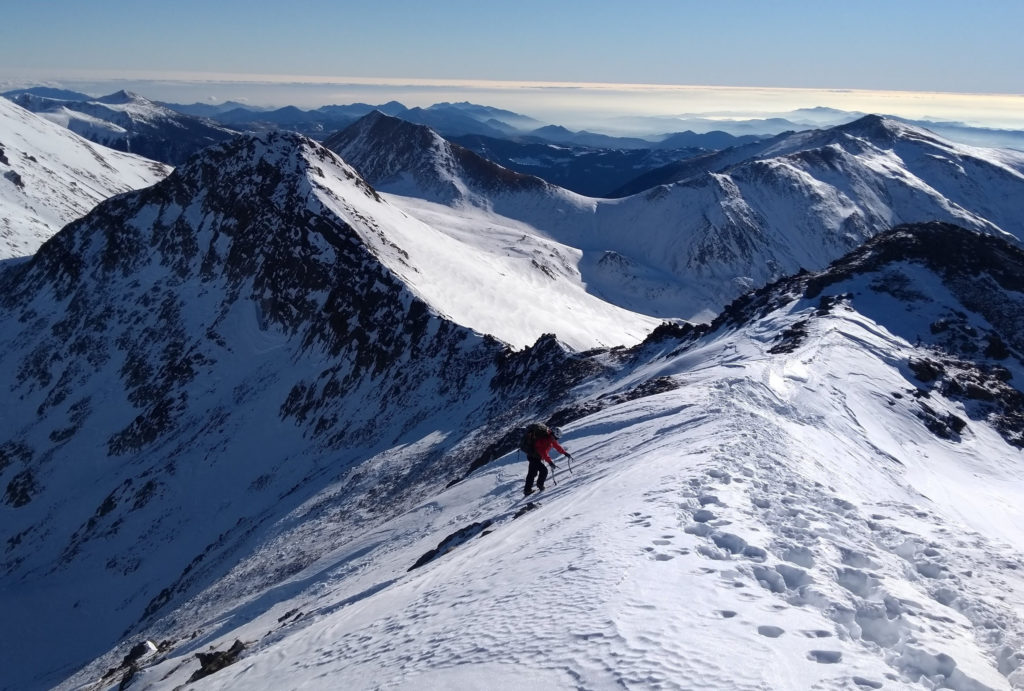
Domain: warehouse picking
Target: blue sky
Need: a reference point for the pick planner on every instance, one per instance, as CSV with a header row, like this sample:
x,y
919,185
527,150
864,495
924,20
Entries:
x,y
938,45
903,45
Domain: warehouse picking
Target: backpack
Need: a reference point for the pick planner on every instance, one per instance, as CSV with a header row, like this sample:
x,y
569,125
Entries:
x,y
533,432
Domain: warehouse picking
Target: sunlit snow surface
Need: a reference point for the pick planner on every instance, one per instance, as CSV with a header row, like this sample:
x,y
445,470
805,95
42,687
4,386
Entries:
x,y
780,521
50,177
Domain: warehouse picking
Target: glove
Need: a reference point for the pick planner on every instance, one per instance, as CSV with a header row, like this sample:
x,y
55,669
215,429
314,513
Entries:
x,y
569,456
553,466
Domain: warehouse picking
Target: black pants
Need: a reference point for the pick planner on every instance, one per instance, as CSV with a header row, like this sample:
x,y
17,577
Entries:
x,y
536,470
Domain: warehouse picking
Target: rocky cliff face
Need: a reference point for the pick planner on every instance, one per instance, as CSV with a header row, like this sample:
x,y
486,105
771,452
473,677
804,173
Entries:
x,y
227,340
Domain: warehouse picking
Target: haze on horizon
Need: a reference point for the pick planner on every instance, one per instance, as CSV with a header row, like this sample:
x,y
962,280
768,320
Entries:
x,y
570,62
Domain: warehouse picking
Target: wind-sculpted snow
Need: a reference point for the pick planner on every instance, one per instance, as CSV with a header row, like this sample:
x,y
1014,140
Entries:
x,y
779,518
50,177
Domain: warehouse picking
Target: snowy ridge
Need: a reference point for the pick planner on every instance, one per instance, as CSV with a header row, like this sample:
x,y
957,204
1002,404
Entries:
x,y
740,219
50,177
790,514
406,159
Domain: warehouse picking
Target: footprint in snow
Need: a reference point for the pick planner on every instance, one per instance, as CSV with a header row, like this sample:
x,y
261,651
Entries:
x,y
703,515
799,555
720,475
770,631
825,657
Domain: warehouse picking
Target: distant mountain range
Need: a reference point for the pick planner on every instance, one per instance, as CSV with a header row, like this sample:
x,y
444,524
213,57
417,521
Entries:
x,y
594,164
128,122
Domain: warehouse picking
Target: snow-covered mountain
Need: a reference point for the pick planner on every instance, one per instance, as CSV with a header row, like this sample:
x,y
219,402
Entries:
x,y
50,177
262,316
821,489
533,281
740,218
128,122
806,201
405,157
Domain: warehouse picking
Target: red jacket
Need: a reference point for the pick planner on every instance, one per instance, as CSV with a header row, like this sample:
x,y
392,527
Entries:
x,y
544,444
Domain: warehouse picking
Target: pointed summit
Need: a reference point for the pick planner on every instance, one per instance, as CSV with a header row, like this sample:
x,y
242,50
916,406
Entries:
x,y
410,159
255,217
121,97
881,130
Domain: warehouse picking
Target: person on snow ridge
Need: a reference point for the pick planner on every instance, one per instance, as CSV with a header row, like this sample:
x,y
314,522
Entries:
x,y
539,440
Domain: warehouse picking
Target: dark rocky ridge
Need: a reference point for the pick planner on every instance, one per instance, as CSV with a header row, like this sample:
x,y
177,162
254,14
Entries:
x,y
983,272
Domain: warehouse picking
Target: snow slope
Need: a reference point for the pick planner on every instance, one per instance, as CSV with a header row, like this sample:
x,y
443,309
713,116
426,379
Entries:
x,y
801,510
50,177
733,221
478,267
475,264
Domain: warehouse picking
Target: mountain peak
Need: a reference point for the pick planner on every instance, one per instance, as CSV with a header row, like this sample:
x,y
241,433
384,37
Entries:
x,y
256,185
412,159
875,127
378,124
121,97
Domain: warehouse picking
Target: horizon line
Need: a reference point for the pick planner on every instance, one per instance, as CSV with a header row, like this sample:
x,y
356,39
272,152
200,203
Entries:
x,y
188,77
